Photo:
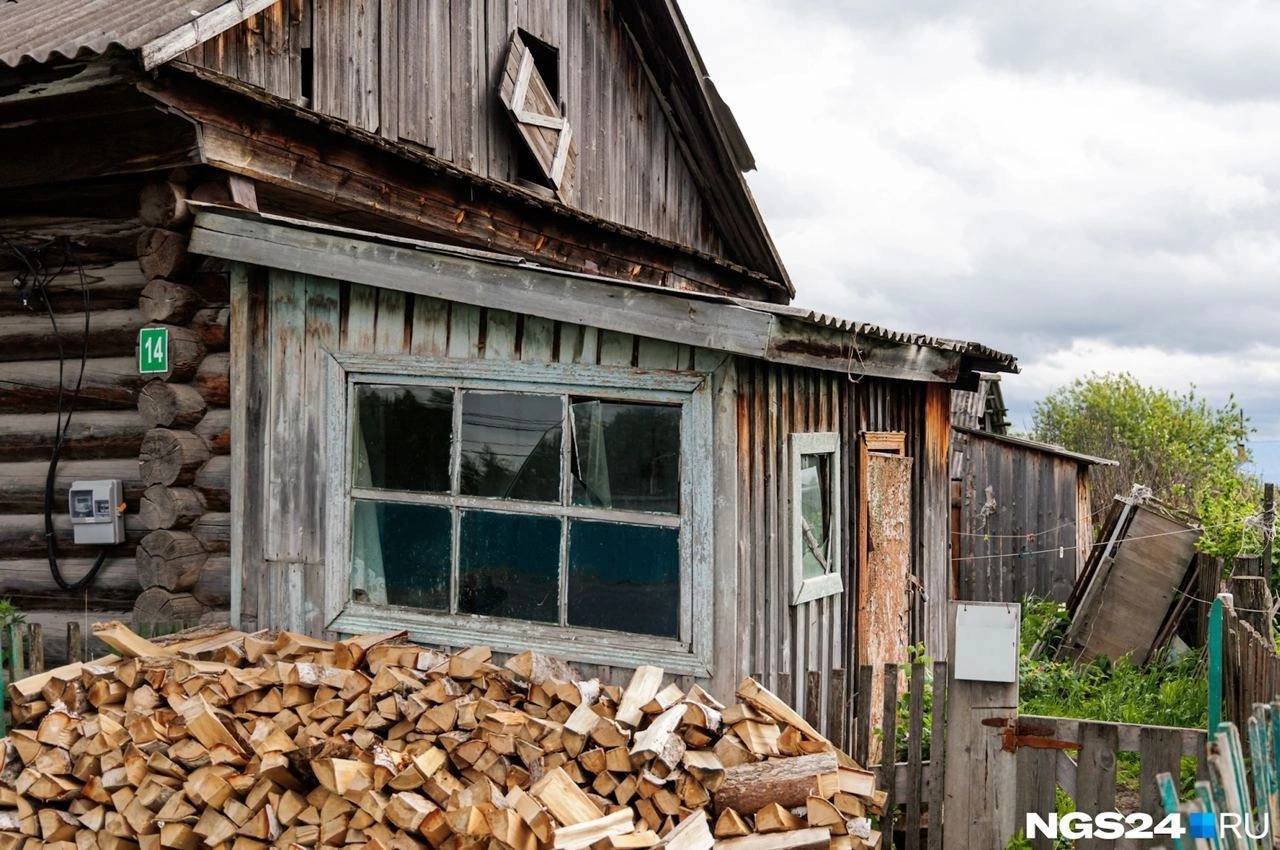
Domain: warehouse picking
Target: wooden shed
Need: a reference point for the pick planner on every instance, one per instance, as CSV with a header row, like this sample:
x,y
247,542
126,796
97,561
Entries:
x,y
474,329
1021,516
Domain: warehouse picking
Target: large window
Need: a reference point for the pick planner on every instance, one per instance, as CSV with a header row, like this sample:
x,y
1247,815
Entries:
x,y
529,504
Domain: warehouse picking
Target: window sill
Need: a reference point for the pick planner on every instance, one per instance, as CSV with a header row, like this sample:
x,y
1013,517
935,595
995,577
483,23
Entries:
x,y
817,588
583,646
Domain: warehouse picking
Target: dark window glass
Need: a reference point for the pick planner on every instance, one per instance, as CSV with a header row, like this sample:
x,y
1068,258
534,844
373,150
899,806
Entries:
x,y
509,566
400,554
624,578
626,455
511,446
402,438
815,513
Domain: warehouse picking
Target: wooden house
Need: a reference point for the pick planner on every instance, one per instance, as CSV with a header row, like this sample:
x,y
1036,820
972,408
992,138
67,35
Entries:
x,y
1021,519
473,328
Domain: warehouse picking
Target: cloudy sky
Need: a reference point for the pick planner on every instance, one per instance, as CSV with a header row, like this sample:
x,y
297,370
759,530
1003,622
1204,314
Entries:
x,y
1089,185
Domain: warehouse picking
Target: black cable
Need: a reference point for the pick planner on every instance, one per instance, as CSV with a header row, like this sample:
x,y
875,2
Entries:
x,y
39,283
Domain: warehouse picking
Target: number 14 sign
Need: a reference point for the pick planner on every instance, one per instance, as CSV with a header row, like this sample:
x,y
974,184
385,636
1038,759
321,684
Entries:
x,y
153,350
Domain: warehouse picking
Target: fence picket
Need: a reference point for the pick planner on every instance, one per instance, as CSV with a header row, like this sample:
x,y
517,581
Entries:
x,y
1096,775
35,634
889,749
915,756
937,754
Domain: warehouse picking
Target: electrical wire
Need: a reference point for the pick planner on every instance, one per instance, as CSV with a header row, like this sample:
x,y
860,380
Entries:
x,y
39,281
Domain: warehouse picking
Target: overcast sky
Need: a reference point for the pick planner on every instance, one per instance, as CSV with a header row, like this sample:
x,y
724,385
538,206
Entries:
x,y
1089,185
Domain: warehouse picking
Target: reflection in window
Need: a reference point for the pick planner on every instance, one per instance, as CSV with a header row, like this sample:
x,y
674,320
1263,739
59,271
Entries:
x,y
401,554
626,455
509,566
815,513
402,438
511,446
624,578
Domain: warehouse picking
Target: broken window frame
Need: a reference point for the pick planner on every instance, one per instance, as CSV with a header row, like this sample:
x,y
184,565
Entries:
x,y
831,582
689,653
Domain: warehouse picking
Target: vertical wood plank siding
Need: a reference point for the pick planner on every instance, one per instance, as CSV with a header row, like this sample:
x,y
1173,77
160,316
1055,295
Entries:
x,y
427,71
783,642
1037,501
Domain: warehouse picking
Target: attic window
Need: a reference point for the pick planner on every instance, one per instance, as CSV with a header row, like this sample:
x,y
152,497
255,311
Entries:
x,y
546,61
529,90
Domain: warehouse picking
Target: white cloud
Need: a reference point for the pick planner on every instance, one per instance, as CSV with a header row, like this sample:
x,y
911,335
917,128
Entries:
x,y
1091,187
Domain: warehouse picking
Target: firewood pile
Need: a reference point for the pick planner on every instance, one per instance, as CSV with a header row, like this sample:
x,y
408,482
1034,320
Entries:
x,y
238,741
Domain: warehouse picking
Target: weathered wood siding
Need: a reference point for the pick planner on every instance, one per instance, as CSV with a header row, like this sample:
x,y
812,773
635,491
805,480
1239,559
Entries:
x,y
1015,502
283,325
785,643
427,71
105,434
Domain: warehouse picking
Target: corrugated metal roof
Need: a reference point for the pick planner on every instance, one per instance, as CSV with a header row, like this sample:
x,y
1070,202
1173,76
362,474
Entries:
x,y
38,30
814,317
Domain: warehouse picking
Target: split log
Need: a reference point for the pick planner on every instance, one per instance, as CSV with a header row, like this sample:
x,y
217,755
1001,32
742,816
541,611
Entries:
x,y
214,532
158,606
22,484
163,204
171,457
789,782
32,386
162,253
165,405
213,324
113,286
186,353
165,301
170,559
91,434
22,536
31,337
213,586
213,380
813,838
213,483
27,582
215,427
169,507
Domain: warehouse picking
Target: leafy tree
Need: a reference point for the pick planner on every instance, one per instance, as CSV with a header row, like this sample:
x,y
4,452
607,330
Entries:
x,y
1186,450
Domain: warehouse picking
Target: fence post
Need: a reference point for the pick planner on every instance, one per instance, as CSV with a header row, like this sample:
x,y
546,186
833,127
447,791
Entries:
x,y
1215,666
981,776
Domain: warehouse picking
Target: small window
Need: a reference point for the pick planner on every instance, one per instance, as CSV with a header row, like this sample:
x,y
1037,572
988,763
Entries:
x,y
529,89
816,549
479,501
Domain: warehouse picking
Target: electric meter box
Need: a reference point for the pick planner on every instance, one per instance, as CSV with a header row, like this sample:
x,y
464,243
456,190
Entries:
x,y
96,518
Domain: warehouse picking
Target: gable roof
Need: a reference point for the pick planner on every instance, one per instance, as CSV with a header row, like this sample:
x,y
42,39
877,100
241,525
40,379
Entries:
x,y
45,30
39,31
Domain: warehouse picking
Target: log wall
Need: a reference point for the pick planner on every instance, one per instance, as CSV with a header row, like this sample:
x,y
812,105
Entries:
x,y
166,438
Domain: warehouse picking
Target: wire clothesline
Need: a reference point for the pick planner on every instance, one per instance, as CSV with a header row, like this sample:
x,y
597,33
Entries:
x,y
1251,521
1030,535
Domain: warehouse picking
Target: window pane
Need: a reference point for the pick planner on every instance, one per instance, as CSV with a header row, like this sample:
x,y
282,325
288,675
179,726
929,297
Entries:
x,y
400,554
815,513
626,455
511,446
402,438
509,566
624,578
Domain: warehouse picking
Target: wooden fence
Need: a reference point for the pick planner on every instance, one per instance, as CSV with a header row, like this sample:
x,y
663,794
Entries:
x,y
1250,668
1097,764
915,700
